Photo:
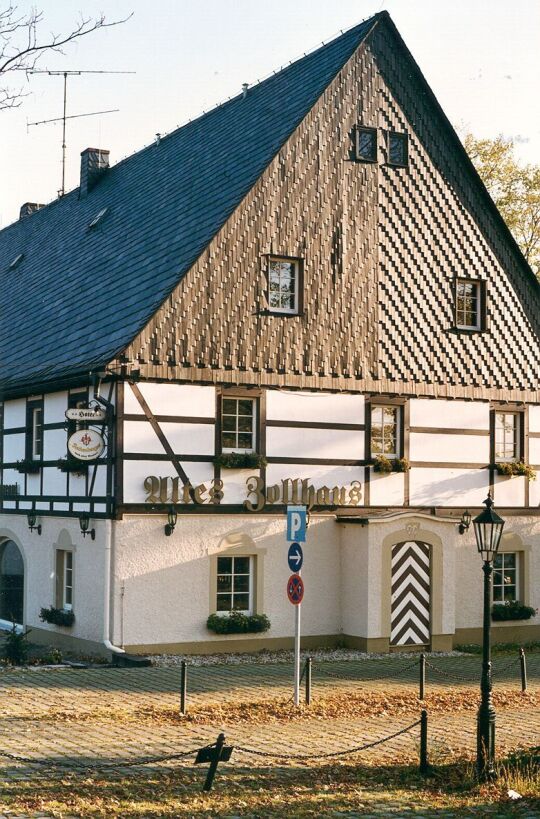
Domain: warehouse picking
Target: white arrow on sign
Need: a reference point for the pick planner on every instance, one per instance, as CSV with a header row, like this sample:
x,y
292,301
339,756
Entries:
x,y
295,557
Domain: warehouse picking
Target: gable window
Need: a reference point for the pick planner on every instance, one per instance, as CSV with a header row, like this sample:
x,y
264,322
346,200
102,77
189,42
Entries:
x,y
34,430
385,432
469,305
64,580
507,436
398,149
235,584
238,425
366,144
505,577
283,285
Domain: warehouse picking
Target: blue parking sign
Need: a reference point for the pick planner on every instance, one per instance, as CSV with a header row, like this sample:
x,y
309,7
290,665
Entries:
x,y
296,523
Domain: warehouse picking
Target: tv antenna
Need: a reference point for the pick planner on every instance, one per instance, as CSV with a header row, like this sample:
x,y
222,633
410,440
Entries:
x,y
64,117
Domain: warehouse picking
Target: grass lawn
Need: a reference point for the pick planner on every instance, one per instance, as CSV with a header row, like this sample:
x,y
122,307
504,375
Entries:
x,y
300,791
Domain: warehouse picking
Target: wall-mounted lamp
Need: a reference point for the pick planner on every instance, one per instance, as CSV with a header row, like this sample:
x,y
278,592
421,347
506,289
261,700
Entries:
x,y
31,518
171,520
465,522
84,523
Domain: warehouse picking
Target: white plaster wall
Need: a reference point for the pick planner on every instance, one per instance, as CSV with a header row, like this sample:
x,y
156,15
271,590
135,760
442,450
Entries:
x,y
54,481
166,580
534,450
427,446
290,442
338,408
234,484
386,490
185,439
54,444
448,487
509,491
425,412
356,581
136,471
318,474
54,408
172,399
14,447
89,561
534,492
15,413
470,578
534,418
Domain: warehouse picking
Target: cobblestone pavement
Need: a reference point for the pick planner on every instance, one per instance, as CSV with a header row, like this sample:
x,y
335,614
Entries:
x,y
29,698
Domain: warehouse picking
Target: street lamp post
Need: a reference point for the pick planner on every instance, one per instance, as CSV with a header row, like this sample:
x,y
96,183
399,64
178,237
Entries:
x,y
488,527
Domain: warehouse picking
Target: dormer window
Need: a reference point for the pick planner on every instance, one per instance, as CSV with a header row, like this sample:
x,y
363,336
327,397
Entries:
x,y
366,144
284,285
398,149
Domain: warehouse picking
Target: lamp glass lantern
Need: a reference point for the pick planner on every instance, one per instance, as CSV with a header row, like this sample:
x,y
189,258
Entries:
x,y
488,529
172,517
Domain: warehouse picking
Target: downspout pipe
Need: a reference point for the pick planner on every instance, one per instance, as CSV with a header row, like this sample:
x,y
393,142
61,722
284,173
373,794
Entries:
x,y
109,568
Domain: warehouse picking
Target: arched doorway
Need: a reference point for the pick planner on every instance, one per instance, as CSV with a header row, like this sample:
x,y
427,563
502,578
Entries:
x,y
11,582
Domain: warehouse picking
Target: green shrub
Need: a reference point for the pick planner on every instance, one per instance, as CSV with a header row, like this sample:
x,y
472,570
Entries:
x,y
240,460
387,465
238,623
511,468
512,610
58,617
16,646
28,466
382,464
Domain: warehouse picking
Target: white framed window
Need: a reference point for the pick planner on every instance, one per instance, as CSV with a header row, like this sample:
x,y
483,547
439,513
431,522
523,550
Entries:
x,y
283,285
385,430
507,436
238,424
398,149
366,144
468,304
505,577
235,584
37,433
64,577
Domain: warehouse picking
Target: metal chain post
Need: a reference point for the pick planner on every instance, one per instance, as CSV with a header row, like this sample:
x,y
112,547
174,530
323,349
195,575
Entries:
x,y
424,766
183,686
308,681
523,667
422,666
216,756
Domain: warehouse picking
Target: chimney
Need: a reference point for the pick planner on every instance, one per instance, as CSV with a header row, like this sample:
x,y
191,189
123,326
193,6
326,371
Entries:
x,y
28,209
94,163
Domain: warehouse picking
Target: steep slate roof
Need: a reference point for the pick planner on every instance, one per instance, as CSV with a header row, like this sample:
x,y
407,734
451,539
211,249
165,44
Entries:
x,y
79,296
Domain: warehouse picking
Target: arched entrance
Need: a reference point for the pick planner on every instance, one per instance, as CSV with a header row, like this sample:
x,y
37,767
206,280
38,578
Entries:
x,y
11,582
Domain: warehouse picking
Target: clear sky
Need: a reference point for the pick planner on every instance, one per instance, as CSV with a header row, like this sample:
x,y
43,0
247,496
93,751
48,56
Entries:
x,y
481,57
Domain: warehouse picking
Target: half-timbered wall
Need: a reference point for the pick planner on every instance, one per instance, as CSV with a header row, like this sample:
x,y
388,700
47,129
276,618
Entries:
x,y
381,247
322,438
49,489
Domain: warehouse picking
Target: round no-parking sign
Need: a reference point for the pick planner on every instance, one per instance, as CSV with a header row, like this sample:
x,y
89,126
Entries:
x,y
295,589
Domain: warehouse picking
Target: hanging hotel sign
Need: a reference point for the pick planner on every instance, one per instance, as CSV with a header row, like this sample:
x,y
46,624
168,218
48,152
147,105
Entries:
x,y
86,444
293,491
88,414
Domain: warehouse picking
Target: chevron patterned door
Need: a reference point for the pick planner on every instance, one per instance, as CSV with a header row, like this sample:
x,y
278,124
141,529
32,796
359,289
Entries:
x,y
411,595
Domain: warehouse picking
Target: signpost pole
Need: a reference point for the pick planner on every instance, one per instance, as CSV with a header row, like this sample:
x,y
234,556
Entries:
x,y
297,613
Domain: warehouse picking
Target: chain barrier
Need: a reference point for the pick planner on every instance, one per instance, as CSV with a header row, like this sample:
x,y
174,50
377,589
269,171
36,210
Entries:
x,y
346,752
393,673
496,670
147,760
449,674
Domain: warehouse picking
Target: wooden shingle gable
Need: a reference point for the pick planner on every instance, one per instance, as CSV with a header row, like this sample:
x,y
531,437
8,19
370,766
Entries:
x,y
381,247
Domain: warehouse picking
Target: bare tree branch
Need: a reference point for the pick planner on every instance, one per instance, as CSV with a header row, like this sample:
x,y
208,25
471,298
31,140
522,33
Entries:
x,y
21,45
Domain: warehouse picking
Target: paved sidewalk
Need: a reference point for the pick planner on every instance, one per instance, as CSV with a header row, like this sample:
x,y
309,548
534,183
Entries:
x,y
86,733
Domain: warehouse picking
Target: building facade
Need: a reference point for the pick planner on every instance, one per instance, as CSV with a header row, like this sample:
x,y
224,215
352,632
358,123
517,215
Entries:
x,y
305,296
